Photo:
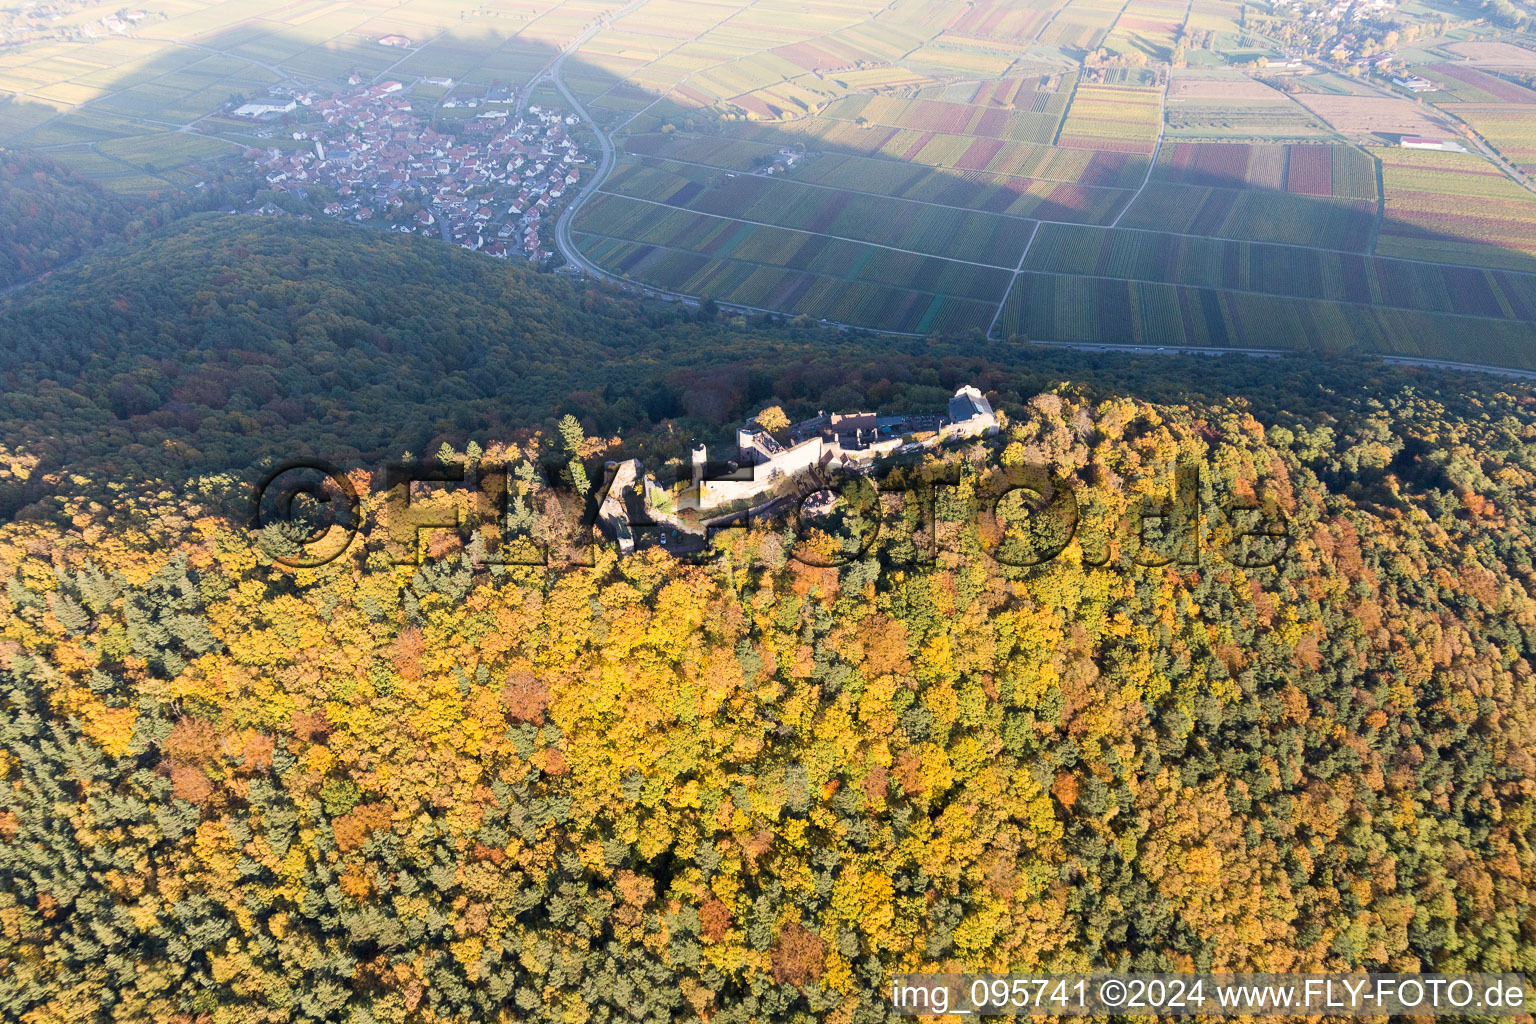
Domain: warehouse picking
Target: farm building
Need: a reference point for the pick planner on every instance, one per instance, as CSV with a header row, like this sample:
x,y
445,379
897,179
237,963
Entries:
x,y
400,41
263,109
1419,142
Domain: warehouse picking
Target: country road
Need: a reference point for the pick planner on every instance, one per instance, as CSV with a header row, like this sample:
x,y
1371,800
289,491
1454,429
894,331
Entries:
x,y
608,156
1280,353
573,256
605,144
45,275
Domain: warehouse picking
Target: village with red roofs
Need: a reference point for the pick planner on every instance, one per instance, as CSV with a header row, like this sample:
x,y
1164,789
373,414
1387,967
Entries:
x,y
487,187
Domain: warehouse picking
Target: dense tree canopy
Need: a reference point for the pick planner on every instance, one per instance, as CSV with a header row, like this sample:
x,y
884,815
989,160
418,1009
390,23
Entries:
x,y
220,341
50,216
746,789
750,790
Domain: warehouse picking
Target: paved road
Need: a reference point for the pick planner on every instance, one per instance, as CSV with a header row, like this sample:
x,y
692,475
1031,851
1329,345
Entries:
x,y
574,257
1278,353
605,144
1162,127
1444,364
45,275
1081,224
563,242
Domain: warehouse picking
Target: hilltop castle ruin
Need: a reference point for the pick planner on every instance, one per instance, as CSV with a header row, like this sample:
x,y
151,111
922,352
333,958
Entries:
x,y
764,470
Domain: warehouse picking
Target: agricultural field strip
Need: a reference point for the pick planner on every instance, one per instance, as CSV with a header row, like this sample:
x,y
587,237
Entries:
x,y
884,195
1495,155
1248,190
727,303
413,51
888,159
1482,144
1045,25
1162,128
1063,5
697,37
92,145
173,126
1398,166
1111,23
1081,224
1381,197
149,81
665,54
660,57
1272,295
135,168
798,231
769,266
930,131
269,68
1013,280
719,64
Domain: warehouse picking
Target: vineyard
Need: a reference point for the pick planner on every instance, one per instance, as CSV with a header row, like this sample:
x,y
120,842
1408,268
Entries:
x,y
844,293
887,170
1077,309
1229,243
1329,171
1473,86
1150,26
1232,165
699,253
881,220
1455,207
1113,118
1310,171
1047,196
1253,216
985,122
1282,271
1043,197
731,154
1222,104
1285,120
1510,129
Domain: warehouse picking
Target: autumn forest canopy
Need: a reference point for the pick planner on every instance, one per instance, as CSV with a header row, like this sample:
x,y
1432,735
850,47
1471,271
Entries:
x,y
780,495
743,789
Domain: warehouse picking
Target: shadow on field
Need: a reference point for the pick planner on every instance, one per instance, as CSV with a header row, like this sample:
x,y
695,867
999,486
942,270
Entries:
x,y
853,235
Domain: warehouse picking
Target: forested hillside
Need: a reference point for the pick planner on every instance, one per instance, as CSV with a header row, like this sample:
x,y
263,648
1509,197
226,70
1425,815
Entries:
x,y
749,791
217,342
253,336
50,216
